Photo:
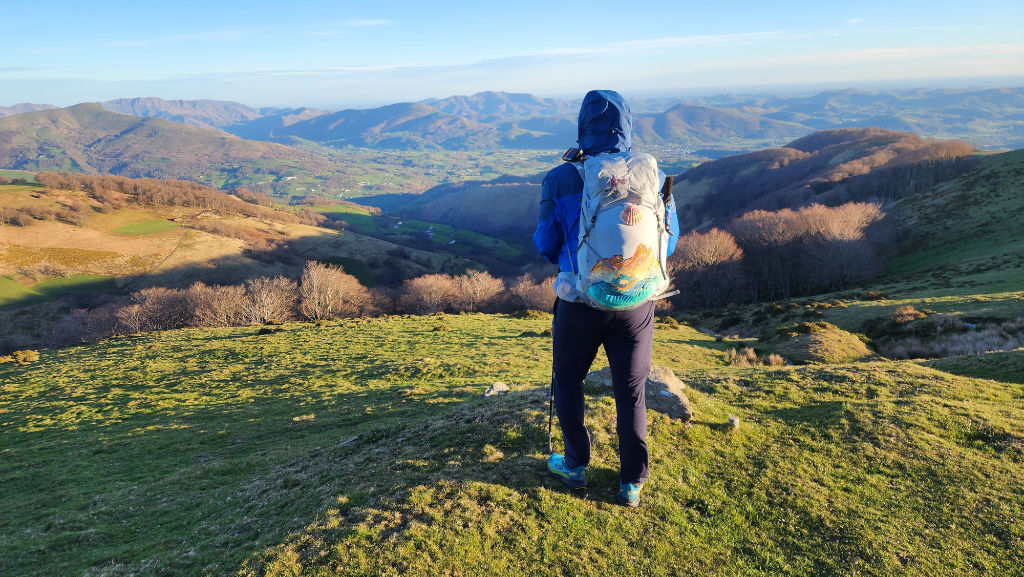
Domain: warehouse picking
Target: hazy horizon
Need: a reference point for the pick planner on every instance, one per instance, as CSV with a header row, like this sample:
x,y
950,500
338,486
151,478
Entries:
x,y
328,54
781,90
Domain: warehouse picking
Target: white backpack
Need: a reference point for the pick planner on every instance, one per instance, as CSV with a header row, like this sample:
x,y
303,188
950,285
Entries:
x,y
623,238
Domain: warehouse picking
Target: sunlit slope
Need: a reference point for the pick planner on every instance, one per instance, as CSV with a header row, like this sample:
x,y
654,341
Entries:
x,y
364,447
145,245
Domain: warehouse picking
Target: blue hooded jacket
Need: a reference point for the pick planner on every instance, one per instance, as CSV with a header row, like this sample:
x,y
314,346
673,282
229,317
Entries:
x,y
604,125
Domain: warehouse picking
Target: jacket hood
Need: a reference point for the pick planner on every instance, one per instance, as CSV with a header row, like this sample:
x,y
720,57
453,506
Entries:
x,y
605,123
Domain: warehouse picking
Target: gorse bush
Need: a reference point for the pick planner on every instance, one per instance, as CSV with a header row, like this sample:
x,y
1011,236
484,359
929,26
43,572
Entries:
x,y
747,357
906,313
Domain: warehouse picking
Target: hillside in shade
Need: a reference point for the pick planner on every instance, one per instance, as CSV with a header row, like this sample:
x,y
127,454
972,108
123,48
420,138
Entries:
x,y
827,167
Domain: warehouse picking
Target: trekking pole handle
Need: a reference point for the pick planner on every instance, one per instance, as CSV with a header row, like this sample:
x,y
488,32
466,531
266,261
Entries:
x,y
666,190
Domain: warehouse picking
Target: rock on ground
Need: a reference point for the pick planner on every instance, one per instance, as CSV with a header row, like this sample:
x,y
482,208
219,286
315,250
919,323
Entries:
x,y
664,391
497,388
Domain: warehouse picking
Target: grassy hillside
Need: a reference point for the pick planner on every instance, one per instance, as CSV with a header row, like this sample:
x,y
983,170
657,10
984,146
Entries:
x,y
964,233
364,447
427,235
137,245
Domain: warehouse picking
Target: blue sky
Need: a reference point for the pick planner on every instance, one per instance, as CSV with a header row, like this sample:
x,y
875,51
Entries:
x,y
337,54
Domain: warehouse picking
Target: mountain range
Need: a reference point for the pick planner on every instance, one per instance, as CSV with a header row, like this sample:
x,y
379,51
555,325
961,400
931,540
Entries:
x,y
991,118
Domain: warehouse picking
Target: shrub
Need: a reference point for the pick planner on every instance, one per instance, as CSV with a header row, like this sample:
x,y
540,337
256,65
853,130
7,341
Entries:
x,y
669,322
1005,336
742,357
328,292
530,314
804,328
906,313
25,357
526,293
269,299
874,296
9,215
428,294
476,291
216,306
40,212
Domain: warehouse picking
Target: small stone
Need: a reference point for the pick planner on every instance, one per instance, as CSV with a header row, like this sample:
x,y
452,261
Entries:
x,y
600,377
734,423
496,388
665,394
664,391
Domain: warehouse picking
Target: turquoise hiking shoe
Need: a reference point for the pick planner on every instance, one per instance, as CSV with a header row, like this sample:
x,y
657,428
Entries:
x,y
574,478
629,494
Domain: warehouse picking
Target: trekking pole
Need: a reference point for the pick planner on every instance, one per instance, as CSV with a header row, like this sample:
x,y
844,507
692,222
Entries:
x,y
551,387
551,409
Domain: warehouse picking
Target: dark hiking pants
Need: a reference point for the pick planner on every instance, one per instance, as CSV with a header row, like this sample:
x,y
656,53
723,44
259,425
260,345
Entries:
x,y
627,336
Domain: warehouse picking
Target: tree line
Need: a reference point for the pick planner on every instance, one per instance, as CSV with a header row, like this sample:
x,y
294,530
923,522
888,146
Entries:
x,y
321,292
775,255
115,192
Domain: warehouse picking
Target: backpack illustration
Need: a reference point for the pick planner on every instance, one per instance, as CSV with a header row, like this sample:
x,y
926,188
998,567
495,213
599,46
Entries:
x,y
623,236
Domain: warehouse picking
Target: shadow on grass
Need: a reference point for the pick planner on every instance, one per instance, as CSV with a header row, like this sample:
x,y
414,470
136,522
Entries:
x,y
202,485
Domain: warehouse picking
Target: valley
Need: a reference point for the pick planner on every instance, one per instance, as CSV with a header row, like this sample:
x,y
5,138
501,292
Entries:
x,y
853,295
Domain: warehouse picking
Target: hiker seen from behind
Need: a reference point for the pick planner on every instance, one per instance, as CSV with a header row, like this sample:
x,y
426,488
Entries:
x,y
608,220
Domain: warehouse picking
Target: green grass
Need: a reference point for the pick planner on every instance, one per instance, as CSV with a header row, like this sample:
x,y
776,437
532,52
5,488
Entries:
x,y
363,447
147,227
980,248
12,291
413,232
1005,366
15,293
23,174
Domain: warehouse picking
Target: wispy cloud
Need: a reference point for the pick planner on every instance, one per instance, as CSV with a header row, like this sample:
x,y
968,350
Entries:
x,y
705,40
211,35
854,20
368,22
666,43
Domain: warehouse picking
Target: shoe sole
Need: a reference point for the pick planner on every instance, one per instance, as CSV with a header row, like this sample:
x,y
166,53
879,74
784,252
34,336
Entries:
x,y
627,502
567,482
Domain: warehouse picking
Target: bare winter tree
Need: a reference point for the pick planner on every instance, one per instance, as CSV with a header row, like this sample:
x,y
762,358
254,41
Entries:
x,y
835,250
270,299
328,292
216,306
477,290
525,293
428,294
159,309
707,269
768,243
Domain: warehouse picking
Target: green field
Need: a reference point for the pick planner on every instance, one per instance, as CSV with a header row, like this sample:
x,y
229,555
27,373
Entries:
x,y
15,293
147,227
425,235
363,447
23,174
